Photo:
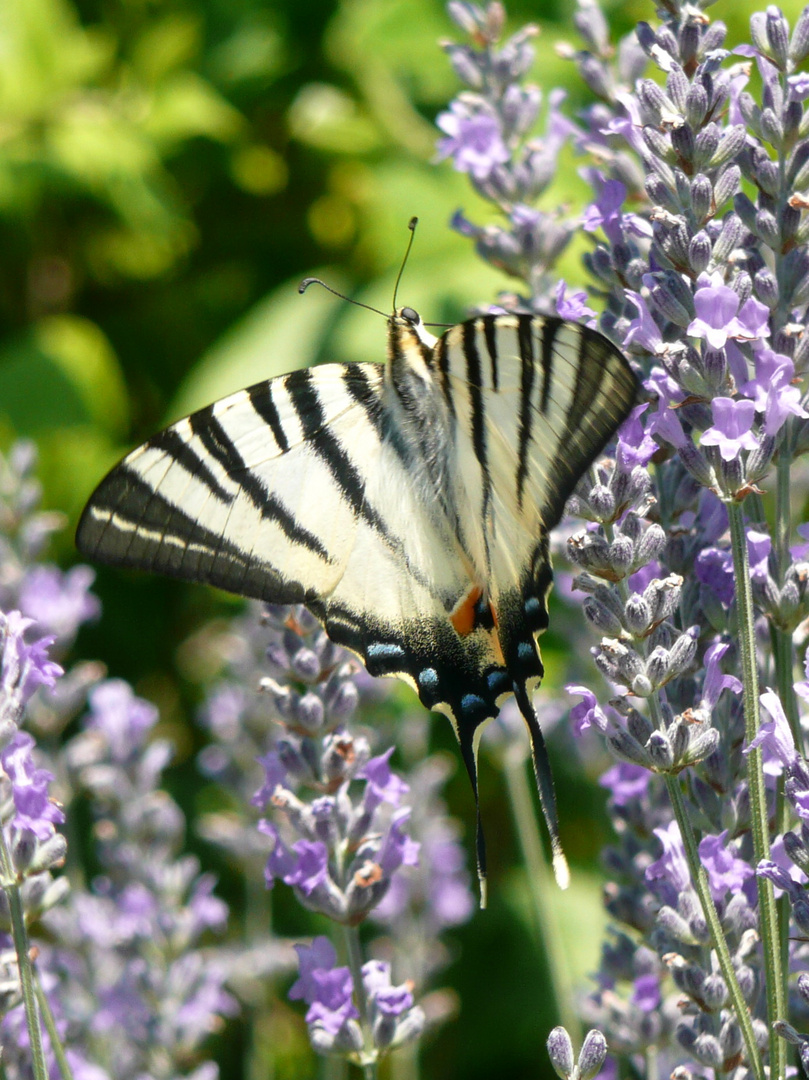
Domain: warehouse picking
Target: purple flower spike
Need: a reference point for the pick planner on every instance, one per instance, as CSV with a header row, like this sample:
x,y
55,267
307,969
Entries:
x,y
474,142
24,667
726,872
383,784
626,782
732,423
59,601
759,546
635,447
588,712
320,955
774,737
715,682
716,306
643,330
573,305
669,874
34,810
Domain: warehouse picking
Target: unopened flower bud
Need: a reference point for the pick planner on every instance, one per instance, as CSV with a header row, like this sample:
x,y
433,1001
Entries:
x,y
560,1051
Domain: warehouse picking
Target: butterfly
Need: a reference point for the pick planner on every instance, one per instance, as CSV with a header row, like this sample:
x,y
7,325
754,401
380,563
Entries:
x,y
408,505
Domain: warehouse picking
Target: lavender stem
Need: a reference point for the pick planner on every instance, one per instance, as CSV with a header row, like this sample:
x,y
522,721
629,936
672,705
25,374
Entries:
x,y
20,935
768,916
700,880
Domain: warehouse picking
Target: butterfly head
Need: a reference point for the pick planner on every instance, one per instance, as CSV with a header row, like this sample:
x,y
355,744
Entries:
x,y
407,327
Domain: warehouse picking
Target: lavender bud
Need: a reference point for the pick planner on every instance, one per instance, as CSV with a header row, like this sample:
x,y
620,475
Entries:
x,y
706,1049
592,26
728,238
677,86
592,1054
602,501
305,664
602,617
631,527
790,219
621,555
675,925
638,726
651,545
657,667
767,229
702,197
310,712
800,913
465,64
682,652
796,850
689,41
655,103
730,1039
637,615
705,146
766,287
716,368
727,185
798,171
742,285
49,855
560,1051
660,752
659,193
666,303
680,736
777,29
626,748
641,685
597,76
658,142
799,45
731,143
699,252
746,210
771,128
758,32
696,105
803,980
788,1032
759,460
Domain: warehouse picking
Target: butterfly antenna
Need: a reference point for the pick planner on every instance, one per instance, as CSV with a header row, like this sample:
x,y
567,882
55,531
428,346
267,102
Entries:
x,y
304,285
412,226
542,771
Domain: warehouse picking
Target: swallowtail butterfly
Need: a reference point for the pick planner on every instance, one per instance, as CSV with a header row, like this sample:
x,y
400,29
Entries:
x,y
407,505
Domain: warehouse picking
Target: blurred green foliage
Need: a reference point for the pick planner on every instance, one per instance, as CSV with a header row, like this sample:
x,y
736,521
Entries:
x,y
169,170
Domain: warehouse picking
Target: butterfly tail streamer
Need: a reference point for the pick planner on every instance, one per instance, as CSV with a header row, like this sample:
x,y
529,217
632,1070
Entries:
x,y
469,755
544,778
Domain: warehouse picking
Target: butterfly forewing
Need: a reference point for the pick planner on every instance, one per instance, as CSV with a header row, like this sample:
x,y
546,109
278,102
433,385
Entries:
x,y
408,506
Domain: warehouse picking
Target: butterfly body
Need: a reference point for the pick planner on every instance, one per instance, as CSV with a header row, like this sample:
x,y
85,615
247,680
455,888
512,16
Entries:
x,y
408,505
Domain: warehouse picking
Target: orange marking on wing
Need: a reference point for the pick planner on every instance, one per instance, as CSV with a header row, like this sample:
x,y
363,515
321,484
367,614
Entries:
x,y
463,615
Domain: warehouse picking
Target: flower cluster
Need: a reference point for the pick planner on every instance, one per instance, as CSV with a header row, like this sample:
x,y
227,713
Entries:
x,y
339,828
123,981
705,284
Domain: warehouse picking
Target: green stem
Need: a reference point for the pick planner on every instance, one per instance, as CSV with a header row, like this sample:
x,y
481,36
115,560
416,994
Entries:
x,y
10,885
542,887
50,1026
700,879
768,915
352,940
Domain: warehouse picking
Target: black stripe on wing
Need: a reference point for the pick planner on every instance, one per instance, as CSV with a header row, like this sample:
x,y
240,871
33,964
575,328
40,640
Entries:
x,y
606,390
126,524
525,337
